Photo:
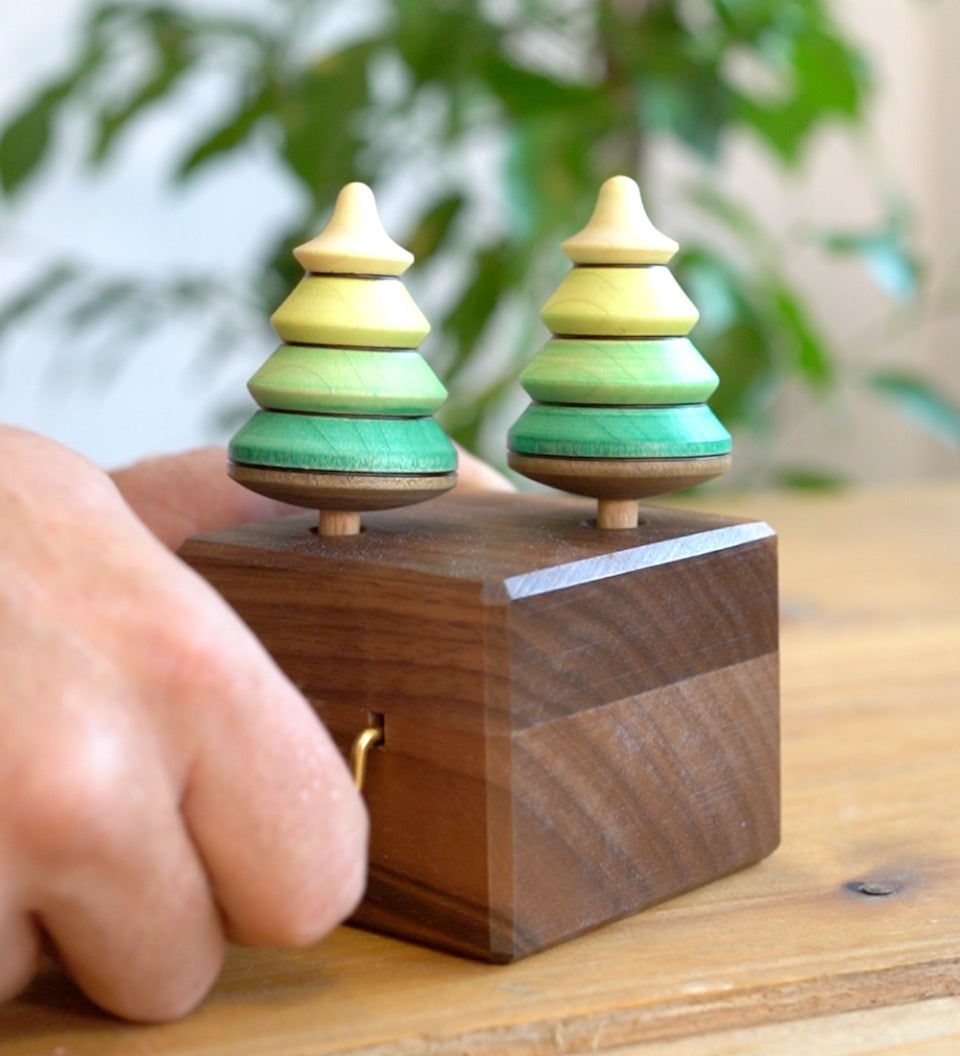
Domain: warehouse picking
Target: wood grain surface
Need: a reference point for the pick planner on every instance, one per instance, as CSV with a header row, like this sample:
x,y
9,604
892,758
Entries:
x,y
577,724
619,478
792,956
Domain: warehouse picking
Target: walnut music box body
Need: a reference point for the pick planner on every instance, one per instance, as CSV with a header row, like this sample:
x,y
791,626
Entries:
x,y
576,723
576,703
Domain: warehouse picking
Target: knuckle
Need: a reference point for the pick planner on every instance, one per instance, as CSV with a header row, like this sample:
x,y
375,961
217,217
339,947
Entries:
x,y
71,808
187,648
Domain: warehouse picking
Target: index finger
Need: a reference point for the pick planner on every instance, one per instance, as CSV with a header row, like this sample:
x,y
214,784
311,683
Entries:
x,y
268,798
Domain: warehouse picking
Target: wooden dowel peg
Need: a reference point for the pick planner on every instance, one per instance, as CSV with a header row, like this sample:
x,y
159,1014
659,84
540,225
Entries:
x,y
339,522
617,513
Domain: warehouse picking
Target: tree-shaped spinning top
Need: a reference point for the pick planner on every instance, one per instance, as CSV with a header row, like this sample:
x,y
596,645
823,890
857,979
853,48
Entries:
x,y
344,424
619,390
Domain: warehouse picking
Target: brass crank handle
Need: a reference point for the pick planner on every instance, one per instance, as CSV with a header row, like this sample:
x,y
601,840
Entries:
x,y
360,749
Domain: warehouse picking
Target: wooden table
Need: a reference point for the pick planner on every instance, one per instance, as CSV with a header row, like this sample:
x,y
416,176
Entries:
x,y
846,940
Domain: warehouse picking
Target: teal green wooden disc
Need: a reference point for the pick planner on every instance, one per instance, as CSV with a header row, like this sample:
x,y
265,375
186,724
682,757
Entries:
x,y
691,431
347,381
349,445
664,371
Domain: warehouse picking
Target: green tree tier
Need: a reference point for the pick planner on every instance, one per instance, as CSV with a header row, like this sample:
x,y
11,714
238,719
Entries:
x,y
584,371
684,431
346,402
620,391
347,381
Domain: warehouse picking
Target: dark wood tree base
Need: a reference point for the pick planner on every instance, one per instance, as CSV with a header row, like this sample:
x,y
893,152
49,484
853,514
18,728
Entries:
x,y
619,478
341,491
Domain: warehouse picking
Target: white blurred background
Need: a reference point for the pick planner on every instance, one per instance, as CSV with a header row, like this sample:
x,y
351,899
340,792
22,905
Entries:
x,y
160,400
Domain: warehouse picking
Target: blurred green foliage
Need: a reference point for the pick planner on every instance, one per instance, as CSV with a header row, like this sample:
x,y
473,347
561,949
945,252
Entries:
x,y
567,91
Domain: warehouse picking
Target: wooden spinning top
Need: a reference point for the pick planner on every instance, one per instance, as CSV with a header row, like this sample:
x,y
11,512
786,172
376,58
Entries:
x,y
619,390
346,402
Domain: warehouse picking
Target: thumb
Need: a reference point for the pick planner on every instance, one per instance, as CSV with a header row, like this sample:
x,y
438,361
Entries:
x,y
177,496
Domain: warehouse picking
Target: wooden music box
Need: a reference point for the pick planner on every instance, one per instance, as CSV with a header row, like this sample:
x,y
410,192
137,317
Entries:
x,y
566,710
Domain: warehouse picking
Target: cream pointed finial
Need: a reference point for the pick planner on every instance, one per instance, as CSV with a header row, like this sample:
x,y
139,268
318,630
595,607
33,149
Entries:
x,y
619,231
354,241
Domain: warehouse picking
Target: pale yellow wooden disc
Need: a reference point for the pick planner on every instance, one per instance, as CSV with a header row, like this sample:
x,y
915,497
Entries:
x,y
354,241
619,231
350,311
619,302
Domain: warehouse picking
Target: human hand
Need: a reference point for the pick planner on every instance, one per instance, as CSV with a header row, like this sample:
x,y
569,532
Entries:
x,y
476,475
162,785
177,496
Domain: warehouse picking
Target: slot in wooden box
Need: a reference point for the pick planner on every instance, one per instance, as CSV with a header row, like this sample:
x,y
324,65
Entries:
x,y
577,723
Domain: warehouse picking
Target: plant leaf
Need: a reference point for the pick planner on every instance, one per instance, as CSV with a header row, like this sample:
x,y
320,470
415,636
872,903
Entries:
x,y
525,93
442,42
230,134
25,141
495,274
920,401
830,74
433,227
809,350
170,39
808,479
824,77
548,178
891,263
692,104
734,216
318,111
50,284
103,300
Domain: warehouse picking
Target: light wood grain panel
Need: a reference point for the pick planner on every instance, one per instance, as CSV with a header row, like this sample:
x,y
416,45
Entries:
x,y
927,1028
863,556
782,954
783,941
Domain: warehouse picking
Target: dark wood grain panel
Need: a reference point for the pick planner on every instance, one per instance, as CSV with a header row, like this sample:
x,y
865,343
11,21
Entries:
x,y
581,647
635,802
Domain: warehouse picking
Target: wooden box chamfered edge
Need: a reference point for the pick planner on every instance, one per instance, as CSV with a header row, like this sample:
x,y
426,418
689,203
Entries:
x,y
577,723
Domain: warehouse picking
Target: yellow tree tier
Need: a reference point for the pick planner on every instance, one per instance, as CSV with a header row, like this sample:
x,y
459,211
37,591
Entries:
x,y
346,402
619,390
